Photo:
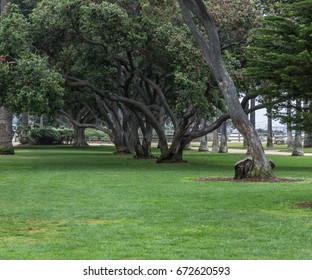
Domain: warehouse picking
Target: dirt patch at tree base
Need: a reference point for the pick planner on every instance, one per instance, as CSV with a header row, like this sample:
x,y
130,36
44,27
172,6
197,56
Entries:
x,y
250,180
305,205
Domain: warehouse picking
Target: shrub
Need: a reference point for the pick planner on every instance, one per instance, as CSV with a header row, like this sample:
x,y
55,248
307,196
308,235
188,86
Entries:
x,y
96,135
66,135
45,136
24,140
6,151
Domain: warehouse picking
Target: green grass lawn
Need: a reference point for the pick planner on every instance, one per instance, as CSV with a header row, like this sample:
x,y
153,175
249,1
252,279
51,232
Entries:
x,y
62,203
281,148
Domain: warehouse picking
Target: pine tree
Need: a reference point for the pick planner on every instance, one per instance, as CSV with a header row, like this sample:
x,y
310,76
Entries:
x,y
280,61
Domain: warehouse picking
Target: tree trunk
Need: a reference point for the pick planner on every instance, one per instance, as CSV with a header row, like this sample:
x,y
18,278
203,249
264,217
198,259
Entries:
x,y
215,141
6,131
41,125
308,140
253,114
120,145
242,168
144,150
174,153
188,146
211,50
270,130
245,144
203,147
223,142
25,125
161,121
80,137
298,150
290,140
3,3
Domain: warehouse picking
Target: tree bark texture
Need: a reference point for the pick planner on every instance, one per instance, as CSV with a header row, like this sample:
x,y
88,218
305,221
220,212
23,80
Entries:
x,y
6,131
178,144
223,142
215,140
203,147
290,140
210,48
25,125
174,153
80,137
2,5
270,130
298,150
242,168
253,114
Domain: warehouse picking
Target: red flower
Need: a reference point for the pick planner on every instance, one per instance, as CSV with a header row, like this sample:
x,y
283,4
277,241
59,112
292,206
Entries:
x,y
2,59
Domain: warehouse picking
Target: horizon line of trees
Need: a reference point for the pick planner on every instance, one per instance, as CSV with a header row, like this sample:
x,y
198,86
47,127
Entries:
x,y
126,67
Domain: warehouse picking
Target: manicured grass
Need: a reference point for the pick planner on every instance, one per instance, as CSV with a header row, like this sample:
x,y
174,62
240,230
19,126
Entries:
x,y
280,148
283,148
62,203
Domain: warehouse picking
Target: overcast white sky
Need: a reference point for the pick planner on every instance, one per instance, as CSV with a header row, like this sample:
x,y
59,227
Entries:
x,y
262,120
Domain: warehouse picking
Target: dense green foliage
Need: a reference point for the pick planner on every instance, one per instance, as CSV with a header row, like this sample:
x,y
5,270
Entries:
x,y
62,203
280,61
66,135
6,151
45,136
27,80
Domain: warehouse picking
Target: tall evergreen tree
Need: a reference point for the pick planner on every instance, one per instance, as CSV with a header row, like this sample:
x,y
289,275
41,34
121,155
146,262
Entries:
x,y
280,61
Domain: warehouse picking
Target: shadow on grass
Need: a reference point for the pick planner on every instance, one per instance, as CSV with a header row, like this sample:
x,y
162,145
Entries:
x,y
66,157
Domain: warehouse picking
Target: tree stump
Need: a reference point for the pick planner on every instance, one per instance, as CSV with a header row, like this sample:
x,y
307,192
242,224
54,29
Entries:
x,y
243,168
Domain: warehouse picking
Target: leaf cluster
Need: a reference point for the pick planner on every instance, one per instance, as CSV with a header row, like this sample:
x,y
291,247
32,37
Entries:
x,y
27,80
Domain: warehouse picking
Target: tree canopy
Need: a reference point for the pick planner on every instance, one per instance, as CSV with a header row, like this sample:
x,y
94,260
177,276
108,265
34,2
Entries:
x,y
280,61
27,80
135,64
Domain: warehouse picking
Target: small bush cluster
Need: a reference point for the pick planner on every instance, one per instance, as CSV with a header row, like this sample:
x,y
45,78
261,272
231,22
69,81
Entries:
x,y
6,151
48,136
67,135
96,135
45,136
53,136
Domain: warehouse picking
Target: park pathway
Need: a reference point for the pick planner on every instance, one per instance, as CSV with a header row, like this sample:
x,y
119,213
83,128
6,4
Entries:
x,y
267,152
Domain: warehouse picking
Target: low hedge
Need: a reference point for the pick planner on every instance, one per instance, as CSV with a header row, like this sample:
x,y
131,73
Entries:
x,y
6,151
45,136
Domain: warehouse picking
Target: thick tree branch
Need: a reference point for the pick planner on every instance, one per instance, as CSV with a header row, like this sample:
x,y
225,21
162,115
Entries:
x,y
74,82
83,125
162,99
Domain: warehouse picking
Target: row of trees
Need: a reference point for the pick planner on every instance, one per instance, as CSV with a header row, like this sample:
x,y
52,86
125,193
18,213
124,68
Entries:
x,y
126,66
280,65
